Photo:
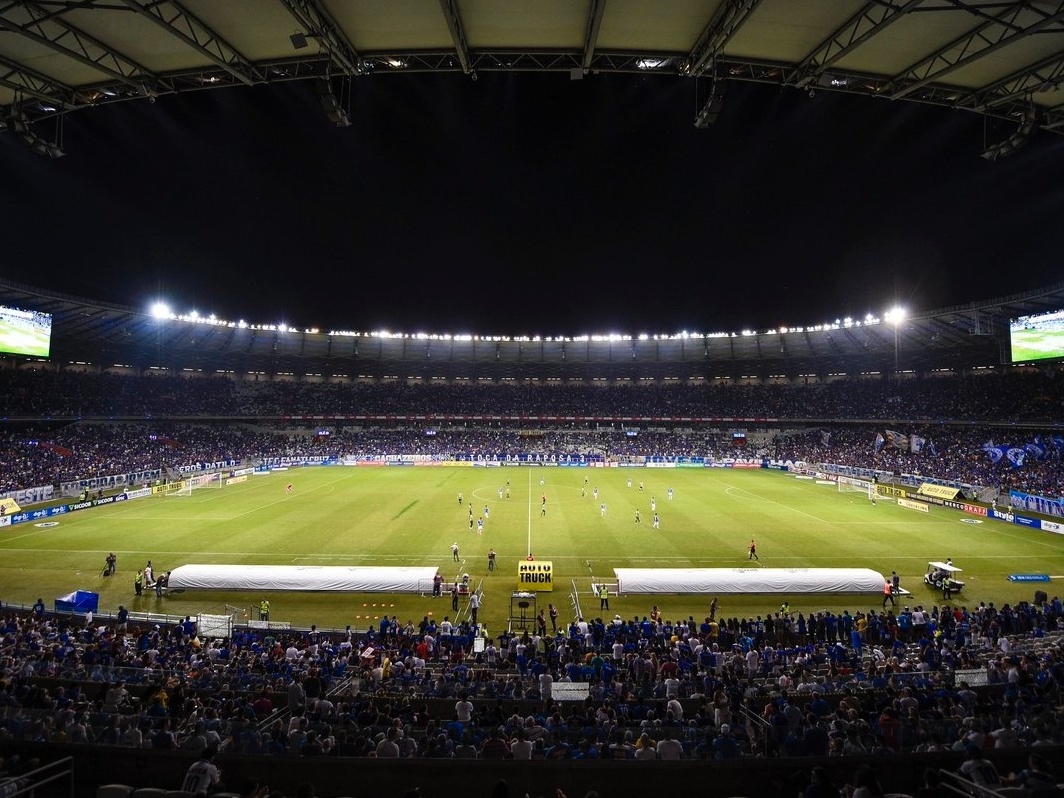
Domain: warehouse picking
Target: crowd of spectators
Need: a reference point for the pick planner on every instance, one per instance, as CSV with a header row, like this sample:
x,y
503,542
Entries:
x,y
823,684
999,398
30,457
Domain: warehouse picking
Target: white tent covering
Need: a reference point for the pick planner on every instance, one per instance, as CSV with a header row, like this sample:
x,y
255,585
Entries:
x,y
348,579
748,580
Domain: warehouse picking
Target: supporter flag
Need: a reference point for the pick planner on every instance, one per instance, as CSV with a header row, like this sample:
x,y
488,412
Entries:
x,y
1057,440
825,438
879,442
165,441
995,452
916,443
1015,455
931,448
897,440
1035,448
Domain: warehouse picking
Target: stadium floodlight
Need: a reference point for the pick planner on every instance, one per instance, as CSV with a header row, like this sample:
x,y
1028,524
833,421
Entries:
x,y
1017,141
160,310
19,122
896,315
331,105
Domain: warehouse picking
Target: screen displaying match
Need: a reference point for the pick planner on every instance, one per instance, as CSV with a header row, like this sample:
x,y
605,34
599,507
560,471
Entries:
x,y
1038,337
25,332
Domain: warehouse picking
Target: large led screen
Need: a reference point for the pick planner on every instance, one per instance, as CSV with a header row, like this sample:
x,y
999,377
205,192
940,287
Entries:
x,y
25,332
1037,337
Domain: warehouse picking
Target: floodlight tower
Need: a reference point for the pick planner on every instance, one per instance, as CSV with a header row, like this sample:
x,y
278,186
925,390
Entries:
x,y
896,315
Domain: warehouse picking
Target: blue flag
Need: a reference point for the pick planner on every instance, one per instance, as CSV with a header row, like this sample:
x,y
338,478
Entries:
x,y
1035,448
995,452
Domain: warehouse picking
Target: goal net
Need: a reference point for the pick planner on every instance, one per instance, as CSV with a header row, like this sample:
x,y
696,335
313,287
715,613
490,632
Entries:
x,y
853,485
186,486
205,481
214,626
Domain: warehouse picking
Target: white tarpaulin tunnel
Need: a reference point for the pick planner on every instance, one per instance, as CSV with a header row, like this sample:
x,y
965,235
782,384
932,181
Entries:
x,y
748,580
343,578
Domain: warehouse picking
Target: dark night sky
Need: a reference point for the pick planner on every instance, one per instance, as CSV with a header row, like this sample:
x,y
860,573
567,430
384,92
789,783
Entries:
x,y
531,204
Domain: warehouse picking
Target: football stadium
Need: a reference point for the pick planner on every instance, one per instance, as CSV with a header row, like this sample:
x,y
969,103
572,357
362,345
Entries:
x,y
817,560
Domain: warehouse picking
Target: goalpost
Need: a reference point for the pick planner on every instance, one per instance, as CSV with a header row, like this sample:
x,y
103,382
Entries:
x,y
186,486
854,485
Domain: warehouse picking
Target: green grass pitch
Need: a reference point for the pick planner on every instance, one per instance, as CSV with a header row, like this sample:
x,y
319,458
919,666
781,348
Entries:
x,y
410,516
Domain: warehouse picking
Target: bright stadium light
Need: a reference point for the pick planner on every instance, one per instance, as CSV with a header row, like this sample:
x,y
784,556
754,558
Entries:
x,y
896,315
160,310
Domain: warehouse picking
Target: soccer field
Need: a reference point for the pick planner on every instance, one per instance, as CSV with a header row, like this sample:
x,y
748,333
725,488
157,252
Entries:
x,y
411,516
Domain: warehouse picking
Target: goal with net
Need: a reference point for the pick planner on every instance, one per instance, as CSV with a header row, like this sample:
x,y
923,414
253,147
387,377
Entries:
x,y
854,485
186,486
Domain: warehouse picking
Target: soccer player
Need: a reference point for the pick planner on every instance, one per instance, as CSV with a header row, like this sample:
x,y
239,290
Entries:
x,y
454,551
753,551
670,493
500,491
653,504
288,488
602,510
637,518
657,521
480,526
595,493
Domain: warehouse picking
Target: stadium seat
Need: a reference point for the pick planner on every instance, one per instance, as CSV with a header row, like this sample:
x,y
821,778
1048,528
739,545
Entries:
x,y
114,791
150,792
179,794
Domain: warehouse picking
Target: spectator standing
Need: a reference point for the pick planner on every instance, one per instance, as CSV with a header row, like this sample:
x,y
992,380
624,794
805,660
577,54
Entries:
x,y
202,775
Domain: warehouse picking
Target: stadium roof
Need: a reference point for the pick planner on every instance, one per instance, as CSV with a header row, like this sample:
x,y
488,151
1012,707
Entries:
x,y
1001,58
957,338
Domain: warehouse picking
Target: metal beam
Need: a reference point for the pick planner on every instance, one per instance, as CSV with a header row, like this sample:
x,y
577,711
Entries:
x,y
34,84
1046,75
454,25
873,19
594,22
179,23
47,30
319,24
989,37
721,28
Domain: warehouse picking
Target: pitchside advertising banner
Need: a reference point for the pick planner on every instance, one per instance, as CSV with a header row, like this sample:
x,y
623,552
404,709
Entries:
x,y
63,509
535,576
1013,518
945,492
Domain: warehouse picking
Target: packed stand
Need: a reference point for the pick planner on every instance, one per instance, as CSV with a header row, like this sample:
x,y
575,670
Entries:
x,y
789,684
